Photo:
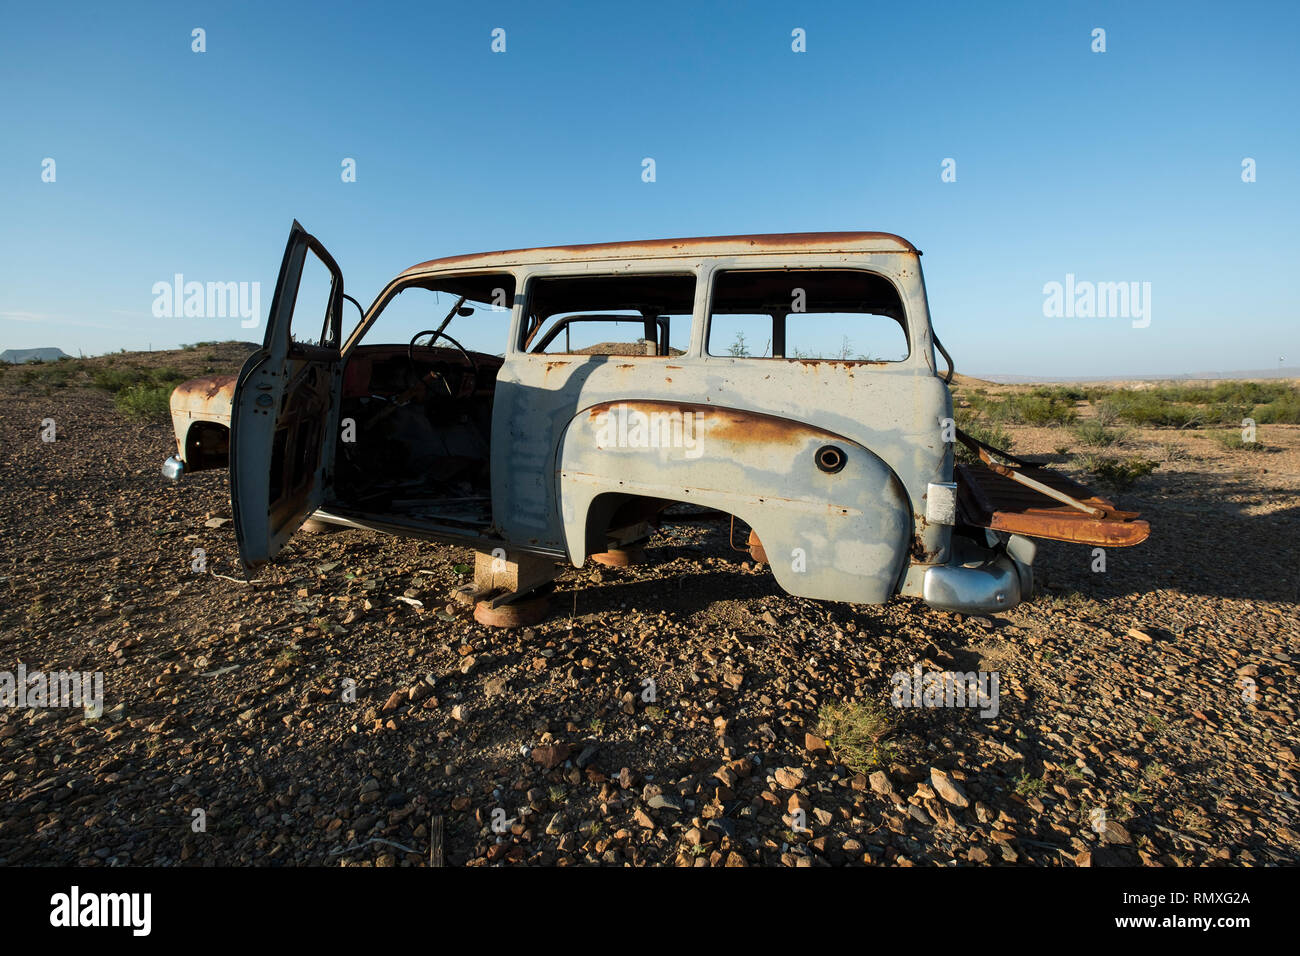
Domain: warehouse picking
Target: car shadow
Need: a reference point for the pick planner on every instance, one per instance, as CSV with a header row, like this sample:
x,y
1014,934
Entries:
x,y
1206,530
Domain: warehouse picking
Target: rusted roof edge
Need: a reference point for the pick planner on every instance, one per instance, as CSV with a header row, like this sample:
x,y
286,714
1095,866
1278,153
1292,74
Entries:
x,y
756,244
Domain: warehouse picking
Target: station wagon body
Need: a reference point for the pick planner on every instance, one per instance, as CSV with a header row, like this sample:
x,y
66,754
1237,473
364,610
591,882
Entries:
x,y
538,451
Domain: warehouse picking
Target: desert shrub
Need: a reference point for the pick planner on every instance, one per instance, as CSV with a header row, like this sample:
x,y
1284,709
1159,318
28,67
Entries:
x,y
1232,441
988,432
144,402
1148,408
856,732
1071,393
1096,435
1119,473
1027,410
116,379
1283,410
46,374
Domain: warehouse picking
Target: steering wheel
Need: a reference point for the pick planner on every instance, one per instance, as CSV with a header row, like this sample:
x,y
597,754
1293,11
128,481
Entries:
x,y
410,356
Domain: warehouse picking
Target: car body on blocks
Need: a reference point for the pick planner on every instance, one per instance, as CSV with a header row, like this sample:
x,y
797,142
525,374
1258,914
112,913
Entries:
x,y
532,450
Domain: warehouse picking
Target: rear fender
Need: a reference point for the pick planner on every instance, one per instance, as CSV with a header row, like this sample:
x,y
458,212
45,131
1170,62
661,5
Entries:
x,y
839,531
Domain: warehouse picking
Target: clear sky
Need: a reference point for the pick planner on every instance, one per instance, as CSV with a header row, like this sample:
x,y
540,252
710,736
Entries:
x,y
1122,166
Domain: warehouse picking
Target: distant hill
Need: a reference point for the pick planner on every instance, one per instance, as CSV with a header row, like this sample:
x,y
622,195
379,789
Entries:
x,y
1241,376
18,356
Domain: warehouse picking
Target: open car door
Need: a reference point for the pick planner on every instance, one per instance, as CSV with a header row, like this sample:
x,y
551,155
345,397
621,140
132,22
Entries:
x,y
282,420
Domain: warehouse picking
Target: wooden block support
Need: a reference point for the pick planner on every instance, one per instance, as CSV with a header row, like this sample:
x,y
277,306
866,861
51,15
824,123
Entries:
x,y
506,574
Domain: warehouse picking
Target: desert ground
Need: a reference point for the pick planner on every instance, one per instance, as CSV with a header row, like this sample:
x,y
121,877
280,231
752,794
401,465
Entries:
x,y
1147,712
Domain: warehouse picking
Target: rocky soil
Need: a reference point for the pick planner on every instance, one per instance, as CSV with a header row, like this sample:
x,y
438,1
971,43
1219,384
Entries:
x,y
1147,713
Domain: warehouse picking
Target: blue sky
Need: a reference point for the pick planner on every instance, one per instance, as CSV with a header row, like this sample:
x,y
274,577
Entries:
x,y
1123,166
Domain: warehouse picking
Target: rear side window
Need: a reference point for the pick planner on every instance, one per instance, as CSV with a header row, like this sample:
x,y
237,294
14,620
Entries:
x,y
843,315
609,315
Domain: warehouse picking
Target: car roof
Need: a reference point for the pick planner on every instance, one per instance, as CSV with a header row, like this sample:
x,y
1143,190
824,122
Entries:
x,y
788,242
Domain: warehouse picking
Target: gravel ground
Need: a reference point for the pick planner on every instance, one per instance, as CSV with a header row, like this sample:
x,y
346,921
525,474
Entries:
x,y
1146,715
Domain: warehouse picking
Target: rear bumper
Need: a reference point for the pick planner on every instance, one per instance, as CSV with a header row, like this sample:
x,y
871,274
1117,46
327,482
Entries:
x,y
979,580
173,468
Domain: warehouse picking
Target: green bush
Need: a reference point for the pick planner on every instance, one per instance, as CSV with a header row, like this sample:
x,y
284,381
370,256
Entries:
x,y
144,402
988,432
1071,393
1190,406
1283,410
1120,473
49,375
117,379
1026,410
1097,435
1232,441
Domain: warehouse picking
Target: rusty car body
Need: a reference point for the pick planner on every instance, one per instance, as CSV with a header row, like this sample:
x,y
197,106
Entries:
x,y
536,451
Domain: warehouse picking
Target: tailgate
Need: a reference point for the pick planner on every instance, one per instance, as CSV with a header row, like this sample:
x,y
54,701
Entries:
x,y
1005,493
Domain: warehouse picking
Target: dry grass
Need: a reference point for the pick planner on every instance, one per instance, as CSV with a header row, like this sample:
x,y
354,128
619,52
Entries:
x,y
857,733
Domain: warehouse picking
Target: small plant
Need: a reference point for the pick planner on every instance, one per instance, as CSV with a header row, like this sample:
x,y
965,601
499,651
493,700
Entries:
x,y
1173,451
1129,803
856,732
1154,773
1107,413
1028,786
286,658
1096,435
1120,474
1232,441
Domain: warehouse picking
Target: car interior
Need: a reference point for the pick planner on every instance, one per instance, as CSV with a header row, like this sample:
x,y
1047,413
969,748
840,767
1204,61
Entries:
x,y
416,416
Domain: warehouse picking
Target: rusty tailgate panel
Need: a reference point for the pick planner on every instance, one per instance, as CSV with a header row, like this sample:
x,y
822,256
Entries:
x,y
990,500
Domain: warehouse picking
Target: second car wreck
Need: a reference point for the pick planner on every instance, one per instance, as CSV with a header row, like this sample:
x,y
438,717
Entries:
x,y
541,449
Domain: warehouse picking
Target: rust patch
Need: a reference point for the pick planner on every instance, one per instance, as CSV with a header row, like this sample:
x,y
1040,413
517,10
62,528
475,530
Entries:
x,y
208,396
989,500
917,550
728,424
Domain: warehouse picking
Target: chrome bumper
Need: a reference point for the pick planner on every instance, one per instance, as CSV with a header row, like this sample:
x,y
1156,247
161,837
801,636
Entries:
x,y
979,580
173,468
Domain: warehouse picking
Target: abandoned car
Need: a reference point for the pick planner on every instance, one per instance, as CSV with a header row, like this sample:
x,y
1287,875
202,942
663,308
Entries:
x,y
548,405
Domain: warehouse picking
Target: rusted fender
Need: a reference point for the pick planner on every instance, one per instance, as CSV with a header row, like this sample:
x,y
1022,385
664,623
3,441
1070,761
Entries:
x,y
208,397
836,532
